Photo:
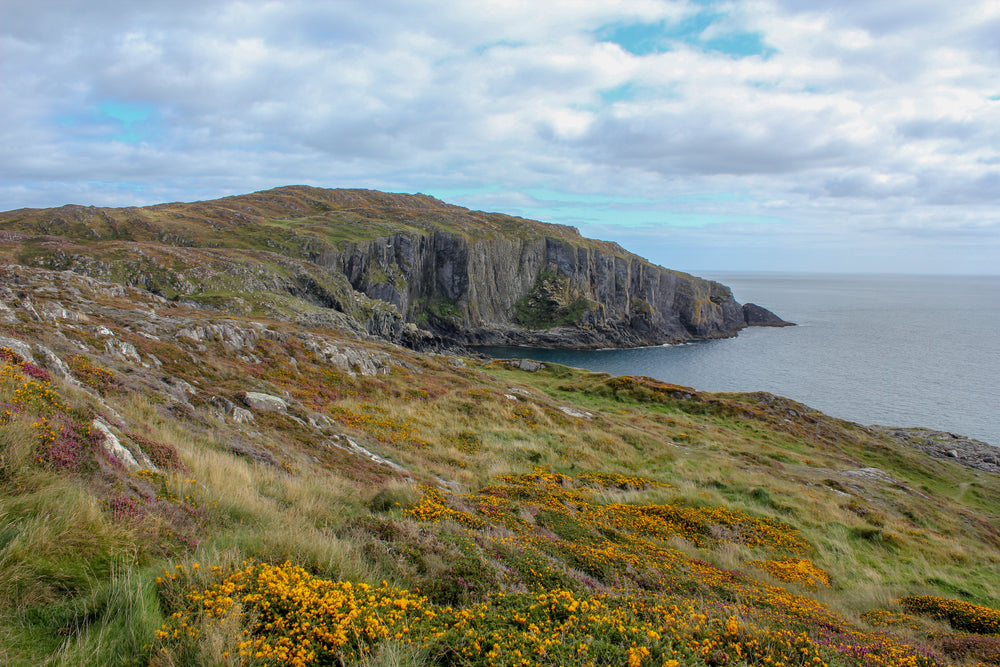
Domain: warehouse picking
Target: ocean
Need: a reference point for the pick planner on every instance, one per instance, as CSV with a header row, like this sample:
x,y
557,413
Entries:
x,y
873,349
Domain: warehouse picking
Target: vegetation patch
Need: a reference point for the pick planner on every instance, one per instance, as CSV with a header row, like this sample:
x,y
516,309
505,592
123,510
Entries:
x,y
963,616
673,527
550,303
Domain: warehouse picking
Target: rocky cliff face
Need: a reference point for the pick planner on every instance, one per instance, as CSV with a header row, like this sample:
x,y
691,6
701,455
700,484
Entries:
x,y
514,290
395,264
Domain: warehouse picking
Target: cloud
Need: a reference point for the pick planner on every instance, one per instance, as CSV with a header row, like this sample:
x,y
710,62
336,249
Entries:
x,y
793,110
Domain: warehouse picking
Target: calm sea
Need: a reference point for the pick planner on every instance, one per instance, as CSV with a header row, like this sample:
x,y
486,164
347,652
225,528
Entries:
x,y
873,349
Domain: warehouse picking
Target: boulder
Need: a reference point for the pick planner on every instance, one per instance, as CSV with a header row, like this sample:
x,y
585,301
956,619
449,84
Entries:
x,y
262,402
20,348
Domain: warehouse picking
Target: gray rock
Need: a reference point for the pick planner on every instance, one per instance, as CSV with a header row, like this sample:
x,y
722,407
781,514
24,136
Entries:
x,y
55,311
181,389
262,402
757,316
350,360
20,348
58,365
869,473
114,448
123,350
965,451
575,413
525,364
231,410
344,442
229,334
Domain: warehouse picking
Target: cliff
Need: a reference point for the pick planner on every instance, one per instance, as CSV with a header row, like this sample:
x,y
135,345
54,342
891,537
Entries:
x,y
407,268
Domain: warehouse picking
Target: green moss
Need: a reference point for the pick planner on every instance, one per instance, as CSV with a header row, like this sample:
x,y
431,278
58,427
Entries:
x,y
550,304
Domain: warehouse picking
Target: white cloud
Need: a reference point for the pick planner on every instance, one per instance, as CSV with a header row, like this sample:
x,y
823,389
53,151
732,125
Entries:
x,y
880,113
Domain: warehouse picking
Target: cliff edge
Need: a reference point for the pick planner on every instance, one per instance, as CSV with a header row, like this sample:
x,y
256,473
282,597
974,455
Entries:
x,y
407,268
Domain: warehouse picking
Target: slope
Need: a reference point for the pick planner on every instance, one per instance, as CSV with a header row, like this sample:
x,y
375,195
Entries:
x,y
181,487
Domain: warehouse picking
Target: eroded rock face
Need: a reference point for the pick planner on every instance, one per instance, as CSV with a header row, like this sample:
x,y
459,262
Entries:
x,y
542,291
758,316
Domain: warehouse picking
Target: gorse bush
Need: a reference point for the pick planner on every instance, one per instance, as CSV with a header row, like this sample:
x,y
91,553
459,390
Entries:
x,y
297,619
553,518
961,615
795,570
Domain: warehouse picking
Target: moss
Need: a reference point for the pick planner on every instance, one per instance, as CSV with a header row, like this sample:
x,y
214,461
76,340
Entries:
x,y
550,304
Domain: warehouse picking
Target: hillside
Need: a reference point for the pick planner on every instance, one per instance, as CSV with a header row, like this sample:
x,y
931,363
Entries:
x,y
186,486
408,268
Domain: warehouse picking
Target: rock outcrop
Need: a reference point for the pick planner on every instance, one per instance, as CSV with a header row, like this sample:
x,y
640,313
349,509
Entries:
x,y
544,291
947,446
757,316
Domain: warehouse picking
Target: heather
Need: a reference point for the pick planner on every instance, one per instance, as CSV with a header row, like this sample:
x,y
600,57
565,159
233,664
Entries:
x,y
381,506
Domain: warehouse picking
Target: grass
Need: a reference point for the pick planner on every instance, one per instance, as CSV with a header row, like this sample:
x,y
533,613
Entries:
x,y
711,510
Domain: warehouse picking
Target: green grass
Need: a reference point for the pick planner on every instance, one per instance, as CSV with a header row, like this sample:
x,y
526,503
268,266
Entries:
x,y
78,585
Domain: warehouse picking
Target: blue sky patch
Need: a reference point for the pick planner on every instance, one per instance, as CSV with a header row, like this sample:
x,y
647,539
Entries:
x,y
740,44
120,121
133,119
643,39
620,93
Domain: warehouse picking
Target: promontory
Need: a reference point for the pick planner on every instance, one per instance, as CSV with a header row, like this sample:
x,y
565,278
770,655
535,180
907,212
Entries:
x,y
406,268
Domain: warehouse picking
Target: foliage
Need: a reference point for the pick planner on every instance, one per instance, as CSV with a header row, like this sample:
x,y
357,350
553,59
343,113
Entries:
x,y
795,570
962,615
669,527
549,303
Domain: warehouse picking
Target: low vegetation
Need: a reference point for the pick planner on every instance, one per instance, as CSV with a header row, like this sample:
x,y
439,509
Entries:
x,y
427,509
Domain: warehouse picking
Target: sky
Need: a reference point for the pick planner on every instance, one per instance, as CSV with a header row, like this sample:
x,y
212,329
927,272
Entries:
x,y
767,135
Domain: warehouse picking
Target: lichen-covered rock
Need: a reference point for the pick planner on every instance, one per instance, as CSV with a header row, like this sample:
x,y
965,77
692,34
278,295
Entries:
x,y
262,402
229,334
353,361
231,410
18,347
115,449
122,350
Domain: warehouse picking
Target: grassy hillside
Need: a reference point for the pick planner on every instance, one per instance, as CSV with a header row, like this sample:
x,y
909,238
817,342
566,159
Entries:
x,y
296,221
383,507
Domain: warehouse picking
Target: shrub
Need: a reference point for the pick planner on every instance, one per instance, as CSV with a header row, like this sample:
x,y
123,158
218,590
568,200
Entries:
x,y
36,372
162,454
388,498
123,508
96,377
795,570
66,445
961,615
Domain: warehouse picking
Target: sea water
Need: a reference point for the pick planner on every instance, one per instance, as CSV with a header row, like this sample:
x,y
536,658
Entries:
x,y
873,349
